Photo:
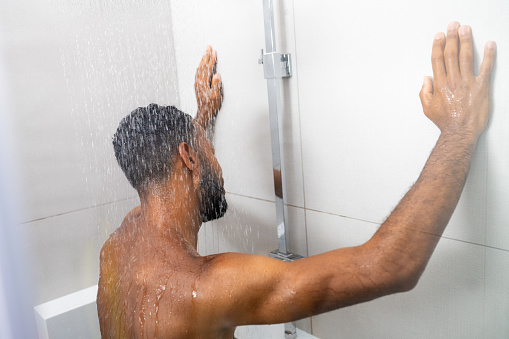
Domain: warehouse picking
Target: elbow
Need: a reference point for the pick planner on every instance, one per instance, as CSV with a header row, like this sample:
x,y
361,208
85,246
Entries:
x,y
405,279
398,271
406,283
395,278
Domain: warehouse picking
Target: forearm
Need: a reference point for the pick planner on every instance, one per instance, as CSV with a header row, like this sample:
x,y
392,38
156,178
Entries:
x,y
204,117
410,234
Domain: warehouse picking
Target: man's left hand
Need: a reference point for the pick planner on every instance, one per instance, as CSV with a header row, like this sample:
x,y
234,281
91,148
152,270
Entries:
x,y
208,88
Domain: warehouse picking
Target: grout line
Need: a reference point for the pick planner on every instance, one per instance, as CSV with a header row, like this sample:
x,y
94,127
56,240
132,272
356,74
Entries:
x,y
476,244
302,208
248,196
77,210
300,129
174,51
367,221
343,216
485,217
301,148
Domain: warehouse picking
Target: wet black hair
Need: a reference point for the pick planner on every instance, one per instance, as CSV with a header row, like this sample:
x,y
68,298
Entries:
x,y
146,143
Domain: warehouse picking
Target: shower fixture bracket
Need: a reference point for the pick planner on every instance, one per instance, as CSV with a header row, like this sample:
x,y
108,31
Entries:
x,y
288,257
276,65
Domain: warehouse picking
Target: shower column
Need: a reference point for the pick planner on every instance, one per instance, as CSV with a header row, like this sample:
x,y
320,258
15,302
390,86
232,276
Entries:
x,y
275,67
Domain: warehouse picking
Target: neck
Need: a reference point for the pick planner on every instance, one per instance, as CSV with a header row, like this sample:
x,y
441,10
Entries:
x,y
172,210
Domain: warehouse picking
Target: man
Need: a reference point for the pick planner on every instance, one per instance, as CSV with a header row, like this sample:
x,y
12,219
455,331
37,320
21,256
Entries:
x,y
153,282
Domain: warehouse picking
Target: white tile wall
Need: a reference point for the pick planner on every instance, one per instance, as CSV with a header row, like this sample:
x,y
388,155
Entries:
x,y
448,302
73,71
248,227
368,146
367,108
497,185
242,138
497,293
64,250
327,232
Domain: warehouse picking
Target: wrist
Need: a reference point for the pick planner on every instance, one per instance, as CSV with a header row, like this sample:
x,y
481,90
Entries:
x,y
458,141
200,119
460,134
204,117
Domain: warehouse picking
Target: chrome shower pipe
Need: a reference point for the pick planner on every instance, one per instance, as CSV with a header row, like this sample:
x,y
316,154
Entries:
x,y
275,67
271,64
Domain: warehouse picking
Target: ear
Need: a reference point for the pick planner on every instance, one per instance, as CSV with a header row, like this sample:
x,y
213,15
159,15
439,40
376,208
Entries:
x,y
189,156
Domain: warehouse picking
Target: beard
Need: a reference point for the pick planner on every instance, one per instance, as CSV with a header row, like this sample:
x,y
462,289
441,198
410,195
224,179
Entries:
x,y
213,203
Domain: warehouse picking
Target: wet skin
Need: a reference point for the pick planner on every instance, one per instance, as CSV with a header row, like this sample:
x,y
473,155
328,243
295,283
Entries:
x,y
153,283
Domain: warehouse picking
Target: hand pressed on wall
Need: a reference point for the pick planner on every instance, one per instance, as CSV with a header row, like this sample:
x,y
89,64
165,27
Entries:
x,y
458,101
208,87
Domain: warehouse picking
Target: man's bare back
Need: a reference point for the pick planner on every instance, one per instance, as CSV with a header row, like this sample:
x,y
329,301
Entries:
x,y
154,284
148,286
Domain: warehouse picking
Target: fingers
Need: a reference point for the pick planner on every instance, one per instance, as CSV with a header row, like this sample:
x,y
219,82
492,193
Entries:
x,y
207,67
207,71
212,60
466,54
451,51
490,50
212,67
207,54
217,87
201,70
437,57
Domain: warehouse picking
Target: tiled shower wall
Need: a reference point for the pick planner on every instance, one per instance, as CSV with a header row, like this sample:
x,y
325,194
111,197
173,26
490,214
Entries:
x,y
355,139
74,69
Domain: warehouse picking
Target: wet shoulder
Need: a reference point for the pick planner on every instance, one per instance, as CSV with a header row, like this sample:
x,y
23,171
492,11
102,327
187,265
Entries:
x,y
122,234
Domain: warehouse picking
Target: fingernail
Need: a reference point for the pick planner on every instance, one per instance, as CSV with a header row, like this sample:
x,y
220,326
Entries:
x,y
491,45
452,26
463,30
438,36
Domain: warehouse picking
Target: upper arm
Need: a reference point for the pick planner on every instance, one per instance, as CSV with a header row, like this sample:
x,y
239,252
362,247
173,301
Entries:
x,y
238,289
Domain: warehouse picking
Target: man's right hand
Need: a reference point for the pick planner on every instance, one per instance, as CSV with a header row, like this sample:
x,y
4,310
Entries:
x,y
457,101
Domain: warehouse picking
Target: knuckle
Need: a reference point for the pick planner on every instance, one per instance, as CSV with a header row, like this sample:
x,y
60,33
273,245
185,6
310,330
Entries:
x,y
437,60
449,54
452,34
466,55
465,38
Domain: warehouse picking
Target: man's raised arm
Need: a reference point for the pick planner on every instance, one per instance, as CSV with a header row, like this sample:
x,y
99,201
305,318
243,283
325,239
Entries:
x,y
459,104
208,88
237,289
